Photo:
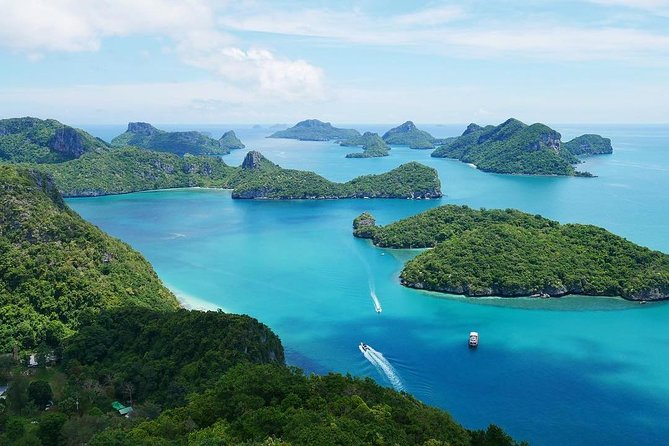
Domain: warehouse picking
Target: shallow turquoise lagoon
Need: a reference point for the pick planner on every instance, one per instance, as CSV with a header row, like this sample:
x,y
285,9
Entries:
x,y
575,370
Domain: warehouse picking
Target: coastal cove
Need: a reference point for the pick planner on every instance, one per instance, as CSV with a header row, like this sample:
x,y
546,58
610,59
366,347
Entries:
x,y
554,371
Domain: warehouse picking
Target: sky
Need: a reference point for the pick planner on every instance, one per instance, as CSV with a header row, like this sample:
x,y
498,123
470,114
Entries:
x,y
247,62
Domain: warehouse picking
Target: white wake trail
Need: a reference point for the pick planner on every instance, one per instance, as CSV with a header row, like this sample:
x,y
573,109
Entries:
x,y
383,366
375,299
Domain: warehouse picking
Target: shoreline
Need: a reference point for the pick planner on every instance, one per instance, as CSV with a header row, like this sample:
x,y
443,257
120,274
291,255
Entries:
x,y
191,302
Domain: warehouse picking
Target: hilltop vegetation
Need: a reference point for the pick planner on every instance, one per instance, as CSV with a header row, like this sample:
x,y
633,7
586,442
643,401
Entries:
x,y
516,148
371,143
32,140
511,253
408,134
260,178
55,268
230,141
315,130
146,136
130,170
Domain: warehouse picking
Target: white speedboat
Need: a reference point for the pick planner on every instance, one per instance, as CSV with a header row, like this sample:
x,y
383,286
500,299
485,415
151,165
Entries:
x,y
363,347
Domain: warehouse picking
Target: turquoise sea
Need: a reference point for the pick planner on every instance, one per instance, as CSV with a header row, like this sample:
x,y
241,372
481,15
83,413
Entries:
x,y
575,370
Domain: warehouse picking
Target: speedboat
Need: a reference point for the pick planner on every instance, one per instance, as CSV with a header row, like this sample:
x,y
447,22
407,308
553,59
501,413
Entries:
x,y
473,339
363,347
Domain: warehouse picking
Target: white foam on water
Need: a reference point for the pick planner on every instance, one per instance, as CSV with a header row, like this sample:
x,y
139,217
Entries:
x,y
384,367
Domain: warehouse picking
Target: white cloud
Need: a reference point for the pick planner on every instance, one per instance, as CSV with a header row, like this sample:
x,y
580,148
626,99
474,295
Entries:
x,y
38,26
451,31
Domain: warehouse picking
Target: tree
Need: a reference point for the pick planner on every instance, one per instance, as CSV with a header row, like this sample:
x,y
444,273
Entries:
x,y
128,389
17,394
49,429
40,392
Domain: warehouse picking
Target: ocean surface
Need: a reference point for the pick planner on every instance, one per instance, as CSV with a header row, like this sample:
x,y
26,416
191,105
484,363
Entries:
x,y
575,370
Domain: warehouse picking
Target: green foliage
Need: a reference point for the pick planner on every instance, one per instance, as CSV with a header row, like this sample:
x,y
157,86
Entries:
x,y
372,146
130,169
315,130
263,179
511,253
166,355
40,393
588,145
230,141
50,427
512,147
145,136
269,404
32,140
408,135
56,269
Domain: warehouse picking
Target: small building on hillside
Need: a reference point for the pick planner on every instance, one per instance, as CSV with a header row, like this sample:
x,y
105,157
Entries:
x,y
121,409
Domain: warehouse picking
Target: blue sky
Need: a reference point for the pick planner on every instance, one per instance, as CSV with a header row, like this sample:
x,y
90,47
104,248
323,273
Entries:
x,y
200,61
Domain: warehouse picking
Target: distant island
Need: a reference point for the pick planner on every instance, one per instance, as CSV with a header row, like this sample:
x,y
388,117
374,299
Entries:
x,y
516,148
372,146
146,136
131,170
409,135
315,130
32,140
260,178
509,253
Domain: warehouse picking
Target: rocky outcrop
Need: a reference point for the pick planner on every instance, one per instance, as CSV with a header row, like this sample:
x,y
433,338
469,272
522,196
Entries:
x,y
253,160
142,128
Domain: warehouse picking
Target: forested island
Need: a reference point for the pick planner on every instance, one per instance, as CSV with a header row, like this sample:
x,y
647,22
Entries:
x,y
510,253
372,146
315,130
517,148
107,339
408,134
146,136
260,178
131,170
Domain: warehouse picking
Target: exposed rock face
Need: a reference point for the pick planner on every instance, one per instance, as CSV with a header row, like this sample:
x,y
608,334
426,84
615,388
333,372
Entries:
x,y
364,225
68,142
253,160
142,128
549,139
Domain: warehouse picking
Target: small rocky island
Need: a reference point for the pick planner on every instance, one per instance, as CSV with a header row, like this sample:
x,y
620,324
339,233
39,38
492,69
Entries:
x,y
372,146
409,135
315,130
509,253
146,136
230,141
517,148
32,140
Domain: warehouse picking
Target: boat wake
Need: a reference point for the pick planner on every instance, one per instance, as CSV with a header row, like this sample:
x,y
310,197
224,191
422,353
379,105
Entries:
x,y
382,365
375,299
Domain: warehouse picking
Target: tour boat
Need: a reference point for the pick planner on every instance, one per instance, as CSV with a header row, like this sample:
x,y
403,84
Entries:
x,y
473,339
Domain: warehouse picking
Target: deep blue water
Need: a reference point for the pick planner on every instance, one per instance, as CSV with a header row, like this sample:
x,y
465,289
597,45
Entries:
x,y
575,370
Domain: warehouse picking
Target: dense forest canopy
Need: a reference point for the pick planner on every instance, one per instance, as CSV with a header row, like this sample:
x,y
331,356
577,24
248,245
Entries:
x,y
511,253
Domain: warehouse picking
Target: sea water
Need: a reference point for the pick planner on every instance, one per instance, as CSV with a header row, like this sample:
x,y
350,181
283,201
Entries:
x,y
574,370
